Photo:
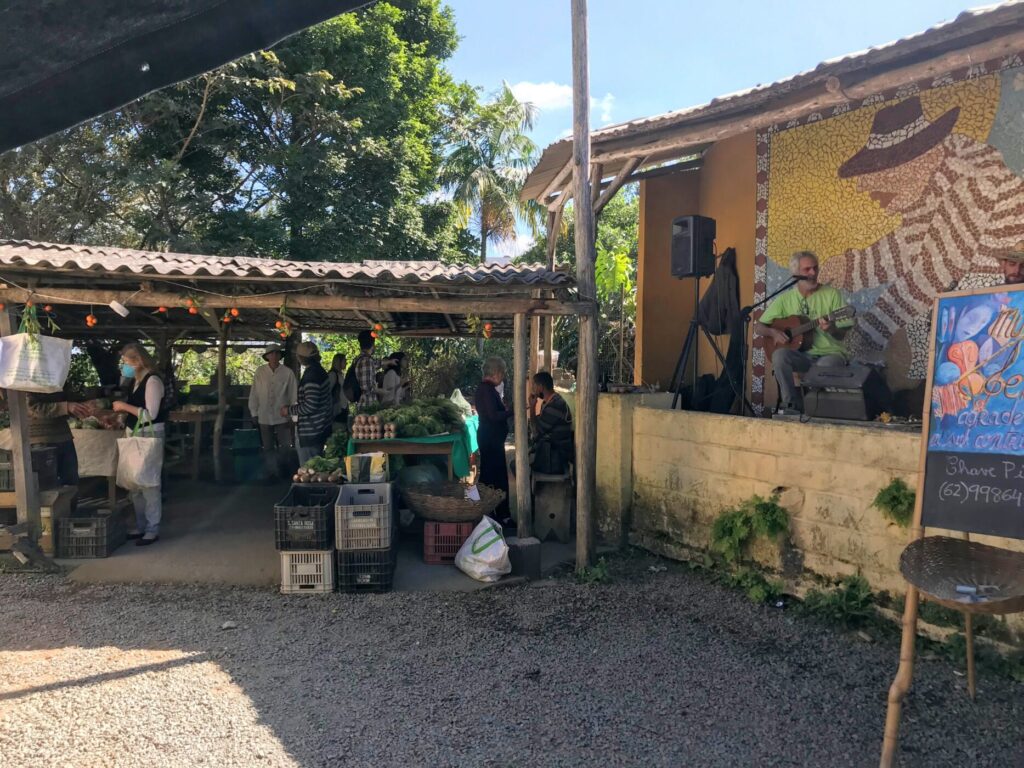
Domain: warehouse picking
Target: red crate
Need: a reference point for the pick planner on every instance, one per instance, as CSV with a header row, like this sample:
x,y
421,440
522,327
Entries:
x,y
441,541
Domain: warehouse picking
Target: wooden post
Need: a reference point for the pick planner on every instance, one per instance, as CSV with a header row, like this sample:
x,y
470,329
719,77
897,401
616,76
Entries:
x,y
586,374
26,494
969,636
222,401
524,500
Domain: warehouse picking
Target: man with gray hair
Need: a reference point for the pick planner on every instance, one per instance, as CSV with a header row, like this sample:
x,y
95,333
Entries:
x,y
810,299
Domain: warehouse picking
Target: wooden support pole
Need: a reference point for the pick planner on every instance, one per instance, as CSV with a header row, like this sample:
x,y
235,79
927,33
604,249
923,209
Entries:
x,y
26,494
524,499
617,183
495,305
905,673
586,375
222,401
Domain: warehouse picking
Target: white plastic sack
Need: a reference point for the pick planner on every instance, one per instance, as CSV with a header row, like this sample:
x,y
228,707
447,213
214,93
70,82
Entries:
x,y
34,363
462,403
484,556
140,460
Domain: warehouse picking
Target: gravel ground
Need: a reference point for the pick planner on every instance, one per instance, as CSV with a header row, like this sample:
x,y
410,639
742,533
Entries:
x,y
654,669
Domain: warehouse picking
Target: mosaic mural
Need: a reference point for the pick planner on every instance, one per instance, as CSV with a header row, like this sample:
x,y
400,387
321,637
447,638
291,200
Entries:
x,y
902,196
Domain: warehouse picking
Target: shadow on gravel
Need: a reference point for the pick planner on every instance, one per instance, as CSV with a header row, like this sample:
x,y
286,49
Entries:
x,y
653,669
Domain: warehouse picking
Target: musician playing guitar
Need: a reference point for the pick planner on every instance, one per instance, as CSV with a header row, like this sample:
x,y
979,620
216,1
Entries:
x,y
809,299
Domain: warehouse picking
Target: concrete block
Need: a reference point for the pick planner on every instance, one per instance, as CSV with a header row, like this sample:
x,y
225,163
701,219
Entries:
x,y
525,556
552,510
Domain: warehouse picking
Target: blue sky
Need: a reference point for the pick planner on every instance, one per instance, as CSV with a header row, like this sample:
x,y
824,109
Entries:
x,y
652,56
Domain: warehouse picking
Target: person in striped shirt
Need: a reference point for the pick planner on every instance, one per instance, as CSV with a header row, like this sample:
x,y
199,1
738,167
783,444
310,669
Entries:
x,y
315,407
960,206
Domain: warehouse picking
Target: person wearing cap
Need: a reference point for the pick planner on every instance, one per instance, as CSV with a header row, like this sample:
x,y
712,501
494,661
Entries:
x,y
959,206
273,388
315,406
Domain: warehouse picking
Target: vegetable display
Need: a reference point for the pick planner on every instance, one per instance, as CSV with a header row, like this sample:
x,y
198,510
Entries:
x,y
319,469
420,418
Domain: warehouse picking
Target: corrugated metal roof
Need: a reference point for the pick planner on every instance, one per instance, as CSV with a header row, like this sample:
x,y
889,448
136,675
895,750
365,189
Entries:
x,y
89,258
968,28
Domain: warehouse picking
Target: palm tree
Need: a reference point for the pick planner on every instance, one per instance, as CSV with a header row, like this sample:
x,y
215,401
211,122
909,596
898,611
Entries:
x,y
490,159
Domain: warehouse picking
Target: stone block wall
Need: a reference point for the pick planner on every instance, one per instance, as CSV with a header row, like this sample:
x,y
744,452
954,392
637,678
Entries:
x,y
686,468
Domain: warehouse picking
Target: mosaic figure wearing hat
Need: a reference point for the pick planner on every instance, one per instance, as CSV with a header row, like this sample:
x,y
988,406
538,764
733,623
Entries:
x,y
273,388
961,209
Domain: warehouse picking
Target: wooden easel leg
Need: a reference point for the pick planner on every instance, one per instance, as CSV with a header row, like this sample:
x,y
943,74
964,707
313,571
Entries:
x,y
969,635
901,683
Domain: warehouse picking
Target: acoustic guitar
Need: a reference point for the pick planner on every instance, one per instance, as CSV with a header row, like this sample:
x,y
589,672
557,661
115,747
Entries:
x,y
800,330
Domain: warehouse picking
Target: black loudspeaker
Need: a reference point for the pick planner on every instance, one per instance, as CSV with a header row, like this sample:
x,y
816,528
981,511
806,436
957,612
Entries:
x,y
856,392
693,246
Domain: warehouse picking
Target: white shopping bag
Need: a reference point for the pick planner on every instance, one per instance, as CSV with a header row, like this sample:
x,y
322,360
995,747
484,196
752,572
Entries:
x,y
140,458
31,362
484,556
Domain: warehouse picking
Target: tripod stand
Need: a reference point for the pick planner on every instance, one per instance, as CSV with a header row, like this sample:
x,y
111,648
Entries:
x,y
689,345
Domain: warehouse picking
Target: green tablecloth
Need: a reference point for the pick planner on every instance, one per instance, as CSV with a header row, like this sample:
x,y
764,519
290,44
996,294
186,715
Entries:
x,y
464,445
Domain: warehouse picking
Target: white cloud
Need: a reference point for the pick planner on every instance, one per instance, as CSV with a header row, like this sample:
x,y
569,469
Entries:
x,y
555,96
509,249
545,96
605,104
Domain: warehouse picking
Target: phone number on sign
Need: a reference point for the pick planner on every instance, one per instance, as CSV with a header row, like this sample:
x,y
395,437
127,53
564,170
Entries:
x,y
977,492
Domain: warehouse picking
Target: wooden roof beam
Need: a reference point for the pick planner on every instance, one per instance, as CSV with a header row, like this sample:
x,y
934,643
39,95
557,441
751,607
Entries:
x,y
617,183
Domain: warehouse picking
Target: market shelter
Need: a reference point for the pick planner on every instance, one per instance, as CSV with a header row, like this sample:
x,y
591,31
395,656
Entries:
x,y
122,295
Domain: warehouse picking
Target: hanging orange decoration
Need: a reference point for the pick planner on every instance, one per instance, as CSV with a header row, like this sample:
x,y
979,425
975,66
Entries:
x,y
234,312
193,311
47,308
373,334
161,310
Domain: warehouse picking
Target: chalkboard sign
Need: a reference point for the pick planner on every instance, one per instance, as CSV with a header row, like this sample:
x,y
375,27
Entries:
x,y
974,458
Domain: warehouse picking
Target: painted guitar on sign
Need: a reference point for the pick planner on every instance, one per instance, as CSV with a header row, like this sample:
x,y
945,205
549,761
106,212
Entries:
x,y
800,330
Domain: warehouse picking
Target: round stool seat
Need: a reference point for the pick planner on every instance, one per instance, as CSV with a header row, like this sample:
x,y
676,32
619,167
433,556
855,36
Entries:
x,y
965,575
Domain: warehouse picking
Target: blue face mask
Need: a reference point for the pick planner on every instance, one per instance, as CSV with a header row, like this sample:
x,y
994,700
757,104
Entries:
x,y
128,371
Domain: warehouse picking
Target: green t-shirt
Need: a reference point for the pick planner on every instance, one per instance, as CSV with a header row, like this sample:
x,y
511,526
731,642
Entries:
x,y
824,300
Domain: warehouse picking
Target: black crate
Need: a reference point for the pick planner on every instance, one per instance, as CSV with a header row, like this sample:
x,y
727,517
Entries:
x,y
304,519
88,537
44,464
366,570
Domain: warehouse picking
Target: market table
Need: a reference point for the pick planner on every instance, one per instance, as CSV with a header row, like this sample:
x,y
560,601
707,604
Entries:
x,y
197,418
457,446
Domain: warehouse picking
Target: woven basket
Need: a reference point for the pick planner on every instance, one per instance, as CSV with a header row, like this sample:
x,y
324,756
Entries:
x,y
446,502
941,566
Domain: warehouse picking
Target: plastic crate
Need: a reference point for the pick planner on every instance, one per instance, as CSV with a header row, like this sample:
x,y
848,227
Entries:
x,y
304,519
6,476
364,517
442,541
246,440
366,570
307,571
89,537
44,464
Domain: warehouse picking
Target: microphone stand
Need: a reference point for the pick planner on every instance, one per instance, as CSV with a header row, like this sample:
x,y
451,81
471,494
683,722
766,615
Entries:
x,y
745,314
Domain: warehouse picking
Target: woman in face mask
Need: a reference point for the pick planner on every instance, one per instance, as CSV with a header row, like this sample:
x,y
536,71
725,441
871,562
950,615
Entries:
x,y
145,403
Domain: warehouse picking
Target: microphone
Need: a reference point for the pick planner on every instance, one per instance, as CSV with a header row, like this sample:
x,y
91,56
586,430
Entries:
x,y
798,278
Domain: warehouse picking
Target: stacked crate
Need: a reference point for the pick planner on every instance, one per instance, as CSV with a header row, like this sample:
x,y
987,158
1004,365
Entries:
x,y
365,537
304,535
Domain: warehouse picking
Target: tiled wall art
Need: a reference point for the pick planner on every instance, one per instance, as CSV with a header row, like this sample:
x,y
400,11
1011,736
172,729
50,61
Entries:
x,y
902,195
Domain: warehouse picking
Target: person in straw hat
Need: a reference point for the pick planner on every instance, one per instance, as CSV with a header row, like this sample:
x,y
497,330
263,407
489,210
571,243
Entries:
x,y
274,387
961,208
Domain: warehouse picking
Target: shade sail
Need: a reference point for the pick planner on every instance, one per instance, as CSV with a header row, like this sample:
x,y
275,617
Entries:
x,y
65,61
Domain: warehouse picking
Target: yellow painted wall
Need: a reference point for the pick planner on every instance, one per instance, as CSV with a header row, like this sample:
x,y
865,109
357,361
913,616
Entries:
x,y
725,190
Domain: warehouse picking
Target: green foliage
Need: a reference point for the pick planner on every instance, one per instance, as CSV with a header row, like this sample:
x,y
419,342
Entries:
x,y
850,604
597,573
201,367
82,374
896,502
490,158
734,530
616,246
754,584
